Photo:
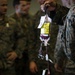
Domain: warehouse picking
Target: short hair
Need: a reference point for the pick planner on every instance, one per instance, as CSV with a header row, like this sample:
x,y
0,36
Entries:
x,y
17,2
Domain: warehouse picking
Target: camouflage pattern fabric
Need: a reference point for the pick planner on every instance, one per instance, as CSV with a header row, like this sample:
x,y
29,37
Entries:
x,y
68,51
21,65
10,34
56,17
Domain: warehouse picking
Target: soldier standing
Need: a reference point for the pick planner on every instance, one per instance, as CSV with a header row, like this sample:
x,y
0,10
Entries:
x,y
10,34
56,12
23,19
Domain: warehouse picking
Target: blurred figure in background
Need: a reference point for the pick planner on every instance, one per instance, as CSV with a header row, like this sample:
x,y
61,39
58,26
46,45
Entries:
x,y
23,19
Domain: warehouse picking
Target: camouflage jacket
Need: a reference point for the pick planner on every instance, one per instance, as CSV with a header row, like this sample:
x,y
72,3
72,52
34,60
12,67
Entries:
x,y
10,34
25,22
56,17
66,47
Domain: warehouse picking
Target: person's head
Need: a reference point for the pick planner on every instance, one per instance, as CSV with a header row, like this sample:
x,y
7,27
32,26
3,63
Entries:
x,y
22,6
41,2
3,7
50,4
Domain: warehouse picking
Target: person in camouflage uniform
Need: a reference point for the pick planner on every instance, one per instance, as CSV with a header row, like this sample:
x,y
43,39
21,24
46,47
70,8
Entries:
x,y
56,13
23,19
66,52
10,35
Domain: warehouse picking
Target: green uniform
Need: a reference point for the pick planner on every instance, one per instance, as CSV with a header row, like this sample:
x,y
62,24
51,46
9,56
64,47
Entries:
x,y
25,22
56,17
9,35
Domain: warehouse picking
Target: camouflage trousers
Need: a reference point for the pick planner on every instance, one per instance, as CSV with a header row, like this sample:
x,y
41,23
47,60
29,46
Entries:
x,y
6,68
9,71
22,65
21,68
42,65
